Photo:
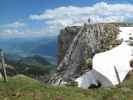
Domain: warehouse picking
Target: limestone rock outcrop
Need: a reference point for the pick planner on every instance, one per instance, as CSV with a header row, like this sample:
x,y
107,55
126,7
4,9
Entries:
x,y
78,44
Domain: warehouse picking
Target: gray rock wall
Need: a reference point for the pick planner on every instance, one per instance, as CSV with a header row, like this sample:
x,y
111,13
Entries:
x,y
78,44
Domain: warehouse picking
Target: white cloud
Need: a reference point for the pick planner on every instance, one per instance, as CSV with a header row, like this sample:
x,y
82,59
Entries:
x,y
100,12
19,29
12,29
15,32
71,15
58,18
14,25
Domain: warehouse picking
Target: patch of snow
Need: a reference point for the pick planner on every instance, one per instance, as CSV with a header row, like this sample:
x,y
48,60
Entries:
x,y
119,57
125,34
92,78
86,80
104,63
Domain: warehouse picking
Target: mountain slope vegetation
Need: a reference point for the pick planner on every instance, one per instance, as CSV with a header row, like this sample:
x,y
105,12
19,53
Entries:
x,y
24,88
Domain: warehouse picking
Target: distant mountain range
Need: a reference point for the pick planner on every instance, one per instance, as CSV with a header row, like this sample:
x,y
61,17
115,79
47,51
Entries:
x,y
31,66
24,47
30,56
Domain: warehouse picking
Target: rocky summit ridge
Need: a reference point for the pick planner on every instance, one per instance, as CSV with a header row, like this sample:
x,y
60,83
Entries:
x,y
78,44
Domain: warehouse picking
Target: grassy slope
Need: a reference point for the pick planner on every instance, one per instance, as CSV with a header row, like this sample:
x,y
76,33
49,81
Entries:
x,y
24,88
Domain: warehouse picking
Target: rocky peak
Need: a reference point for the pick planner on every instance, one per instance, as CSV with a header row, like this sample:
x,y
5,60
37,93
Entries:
x,y
78,44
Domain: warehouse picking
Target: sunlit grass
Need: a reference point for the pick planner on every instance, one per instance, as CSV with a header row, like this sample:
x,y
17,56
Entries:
x,y
24,88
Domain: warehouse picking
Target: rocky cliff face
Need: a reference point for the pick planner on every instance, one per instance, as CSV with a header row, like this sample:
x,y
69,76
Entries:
x,y
78,44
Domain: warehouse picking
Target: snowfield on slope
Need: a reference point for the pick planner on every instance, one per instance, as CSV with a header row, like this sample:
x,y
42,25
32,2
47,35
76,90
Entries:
x,y
103,63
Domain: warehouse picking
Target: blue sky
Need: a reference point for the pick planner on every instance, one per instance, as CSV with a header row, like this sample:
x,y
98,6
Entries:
x,y
47,17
